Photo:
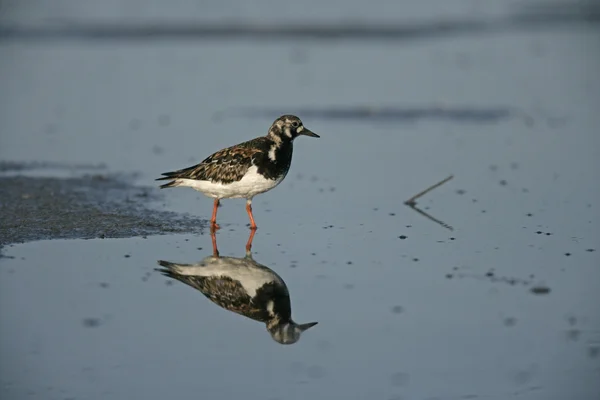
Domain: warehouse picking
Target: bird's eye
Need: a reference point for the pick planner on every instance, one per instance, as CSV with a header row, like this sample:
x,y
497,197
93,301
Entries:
x,y
295,124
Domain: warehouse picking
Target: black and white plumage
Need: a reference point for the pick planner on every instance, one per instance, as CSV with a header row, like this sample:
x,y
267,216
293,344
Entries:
x,y
246,169
245,287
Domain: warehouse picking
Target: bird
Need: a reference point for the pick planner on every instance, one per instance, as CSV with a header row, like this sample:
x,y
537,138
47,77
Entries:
x,y
244,170
243,286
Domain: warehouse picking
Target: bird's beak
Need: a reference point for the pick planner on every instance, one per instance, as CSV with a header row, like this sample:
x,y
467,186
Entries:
x,y
308,132
304,327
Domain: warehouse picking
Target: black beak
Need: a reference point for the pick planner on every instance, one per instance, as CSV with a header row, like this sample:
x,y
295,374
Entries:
x,y
308,132
304,327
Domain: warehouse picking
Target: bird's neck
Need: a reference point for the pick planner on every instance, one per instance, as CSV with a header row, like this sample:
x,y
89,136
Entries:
x,y
280,151
278,320
279,137
278,160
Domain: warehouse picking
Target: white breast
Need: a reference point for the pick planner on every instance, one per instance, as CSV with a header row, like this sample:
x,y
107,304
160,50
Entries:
x,y
249,186
250,276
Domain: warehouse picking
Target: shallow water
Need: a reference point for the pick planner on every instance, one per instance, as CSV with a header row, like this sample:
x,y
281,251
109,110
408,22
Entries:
x,y
500,306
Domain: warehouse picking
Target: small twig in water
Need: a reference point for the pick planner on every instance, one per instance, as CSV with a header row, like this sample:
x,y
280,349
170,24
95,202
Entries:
x,y
437,221
412,201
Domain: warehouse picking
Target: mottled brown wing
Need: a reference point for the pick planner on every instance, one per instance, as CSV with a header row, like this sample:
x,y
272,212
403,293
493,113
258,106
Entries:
x,y
221,290
224,166
229,294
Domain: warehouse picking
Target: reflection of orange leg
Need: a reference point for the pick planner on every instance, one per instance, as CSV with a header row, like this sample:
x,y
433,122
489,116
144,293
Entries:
x,y
249,211
214,243
250,239
213,220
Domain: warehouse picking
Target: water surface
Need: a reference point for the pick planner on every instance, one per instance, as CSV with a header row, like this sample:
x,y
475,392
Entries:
x,y
501,306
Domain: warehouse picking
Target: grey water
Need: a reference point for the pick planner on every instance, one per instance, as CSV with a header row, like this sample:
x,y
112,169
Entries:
x,y
496,301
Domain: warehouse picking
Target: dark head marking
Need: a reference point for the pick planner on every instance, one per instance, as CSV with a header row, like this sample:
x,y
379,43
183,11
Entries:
x,y
288,127
288,333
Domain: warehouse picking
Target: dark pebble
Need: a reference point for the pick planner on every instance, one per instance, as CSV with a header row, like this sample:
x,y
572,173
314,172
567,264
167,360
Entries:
x,y
397,309
91,322
540,290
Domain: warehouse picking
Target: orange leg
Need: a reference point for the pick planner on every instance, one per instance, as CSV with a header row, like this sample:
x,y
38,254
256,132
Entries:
x,y
250,239
214,243
249,211
213,220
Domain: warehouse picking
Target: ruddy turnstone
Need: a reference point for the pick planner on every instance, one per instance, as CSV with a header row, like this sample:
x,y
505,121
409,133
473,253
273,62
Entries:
x,y
244,170
243,286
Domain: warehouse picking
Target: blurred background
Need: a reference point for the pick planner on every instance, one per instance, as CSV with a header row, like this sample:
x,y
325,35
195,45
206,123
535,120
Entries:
x,y
497,300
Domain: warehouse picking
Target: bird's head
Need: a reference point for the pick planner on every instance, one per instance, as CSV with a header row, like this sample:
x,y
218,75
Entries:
x,y
289,332
288,128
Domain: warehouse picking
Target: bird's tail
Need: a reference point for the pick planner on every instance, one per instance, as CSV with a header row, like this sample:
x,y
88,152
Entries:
x,y
176,267
168,269
166,264
172,176
171,184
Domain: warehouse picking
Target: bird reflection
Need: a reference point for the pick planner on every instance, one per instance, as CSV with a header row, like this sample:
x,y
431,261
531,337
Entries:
x,y
243,286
